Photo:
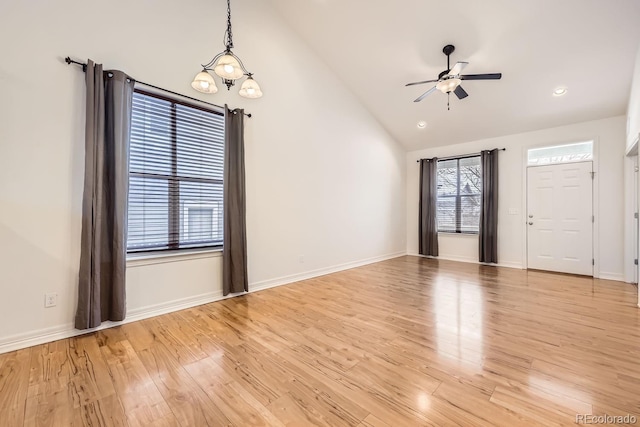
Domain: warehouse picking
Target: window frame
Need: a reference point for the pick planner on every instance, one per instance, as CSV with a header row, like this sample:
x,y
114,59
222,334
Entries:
x,y
173,186
458,197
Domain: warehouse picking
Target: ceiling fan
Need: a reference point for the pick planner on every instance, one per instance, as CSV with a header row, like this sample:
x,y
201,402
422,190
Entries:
x,y
449,80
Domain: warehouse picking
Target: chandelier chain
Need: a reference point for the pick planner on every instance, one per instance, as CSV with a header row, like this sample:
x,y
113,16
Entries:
x,y
229,34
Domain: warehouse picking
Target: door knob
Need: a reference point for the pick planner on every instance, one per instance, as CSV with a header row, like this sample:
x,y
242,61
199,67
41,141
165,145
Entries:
x,y
530,223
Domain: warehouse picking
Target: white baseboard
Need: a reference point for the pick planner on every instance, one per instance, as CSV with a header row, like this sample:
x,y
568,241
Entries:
x,y
284,280
471,261
45,335
170,306
618,277
54,333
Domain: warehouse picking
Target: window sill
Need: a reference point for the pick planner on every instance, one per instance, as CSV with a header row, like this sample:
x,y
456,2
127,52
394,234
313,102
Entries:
x,y
453,233
138,260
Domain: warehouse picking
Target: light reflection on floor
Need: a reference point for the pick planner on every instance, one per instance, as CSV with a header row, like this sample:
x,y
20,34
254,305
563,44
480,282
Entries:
x,y
458,308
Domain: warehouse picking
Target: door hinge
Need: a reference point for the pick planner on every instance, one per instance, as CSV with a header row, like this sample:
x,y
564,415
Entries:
x,y
635,215
593,261
593,218
635,261
593,174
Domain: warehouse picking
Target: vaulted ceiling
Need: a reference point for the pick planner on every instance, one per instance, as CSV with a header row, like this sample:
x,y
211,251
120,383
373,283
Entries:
x,y
377,46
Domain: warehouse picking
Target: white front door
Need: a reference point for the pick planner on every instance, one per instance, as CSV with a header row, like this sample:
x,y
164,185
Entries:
x,y
559,218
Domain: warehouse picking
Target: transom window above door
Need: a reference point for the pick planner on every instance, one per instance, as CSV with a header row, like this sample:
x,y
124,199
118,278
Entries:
x,y
567,153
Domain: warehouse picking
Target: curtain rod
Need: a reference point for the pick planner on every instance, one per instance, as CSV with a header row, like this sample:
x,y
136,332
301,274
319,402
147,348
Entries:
x,y
463,155
70,61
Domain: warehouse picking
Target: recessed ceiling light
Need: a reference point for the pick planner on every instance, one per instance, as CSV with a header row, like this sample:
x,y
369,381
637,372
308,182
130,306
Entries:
x,y
422,124
560,91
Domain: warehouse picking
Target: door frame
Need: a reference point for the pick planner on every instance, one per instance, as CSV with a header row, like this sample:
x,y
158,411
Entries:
x,y
631,206
595,201
636,220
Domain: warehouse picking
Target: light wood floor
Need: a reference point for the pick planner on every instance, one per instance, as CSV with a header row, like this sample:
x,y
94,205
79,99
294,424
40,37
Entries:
x,y
404,342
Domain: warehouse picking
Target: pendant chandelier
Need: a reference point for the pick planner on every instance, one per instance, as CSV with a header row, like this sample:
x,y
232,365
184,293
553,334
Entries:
x,y
228,67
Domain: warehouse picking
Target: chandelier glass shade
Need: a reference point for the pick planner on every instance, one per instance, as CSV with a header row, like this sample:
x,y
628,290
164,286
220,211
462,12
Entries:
x,y
203,82
228,68
250,88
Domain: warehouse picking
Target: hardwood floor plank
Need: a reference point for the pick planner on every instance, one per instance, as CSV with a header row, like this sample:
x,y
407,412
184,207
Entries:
x,y
142,402
175,336
104,412
329,377
110,336
545,408
372,421
139,334
14,383
189,404
42,400
475,404
229,396
89,379
257,370
325,404
226,394
291,412
49,361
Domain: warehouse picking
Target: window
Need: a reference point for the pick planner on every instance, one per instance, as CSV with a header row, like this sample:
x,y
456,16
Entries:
x,y
459,193
175,175
567,153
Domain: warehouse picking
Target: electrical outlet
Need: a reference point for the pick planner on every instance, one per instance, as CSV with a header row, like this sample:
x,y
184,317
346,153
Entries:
x,y
513,211
50,300
301,259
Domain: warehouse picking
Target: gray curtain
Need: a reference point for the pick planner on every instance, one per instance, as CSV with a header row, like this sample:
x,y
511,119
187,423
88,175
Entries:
x,y
428,224
101,286
234,250
488,236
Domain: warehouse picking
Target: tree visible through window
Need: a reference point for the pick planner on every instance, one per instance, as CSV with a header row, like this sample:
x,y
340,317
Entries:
x,y
175,175
459,195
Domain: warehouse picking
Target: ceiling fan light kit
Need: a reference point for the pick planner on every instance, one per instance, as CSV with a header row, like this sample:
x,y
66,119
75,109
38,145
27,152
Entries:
x,y
450,79
448,85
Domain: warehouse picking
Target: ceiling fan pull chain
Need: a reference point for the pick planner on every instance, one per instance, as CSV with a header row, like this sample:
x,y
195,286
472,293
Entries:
x,y
448,98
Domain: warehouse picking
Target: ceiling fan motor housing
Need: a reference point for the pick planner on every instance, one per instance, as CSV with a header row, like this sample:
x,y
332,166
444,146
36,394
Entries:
x,y
448,49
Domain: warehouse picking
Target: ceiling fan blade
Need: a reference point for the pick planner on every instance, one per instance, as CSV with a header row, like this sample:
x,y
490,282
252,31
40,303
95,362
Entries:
x,y
457,69
460,93
492,76
420,83
424,95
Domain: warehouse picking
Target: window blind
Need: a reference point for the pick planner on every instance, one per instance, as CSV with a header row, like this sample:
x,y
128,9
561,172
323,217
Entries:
x,y
459,195
175,175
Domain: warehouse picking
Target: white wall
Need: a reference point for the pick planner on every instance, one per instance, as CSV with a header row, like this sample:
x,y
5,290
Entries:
x,y
609,135
633,111
324,179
